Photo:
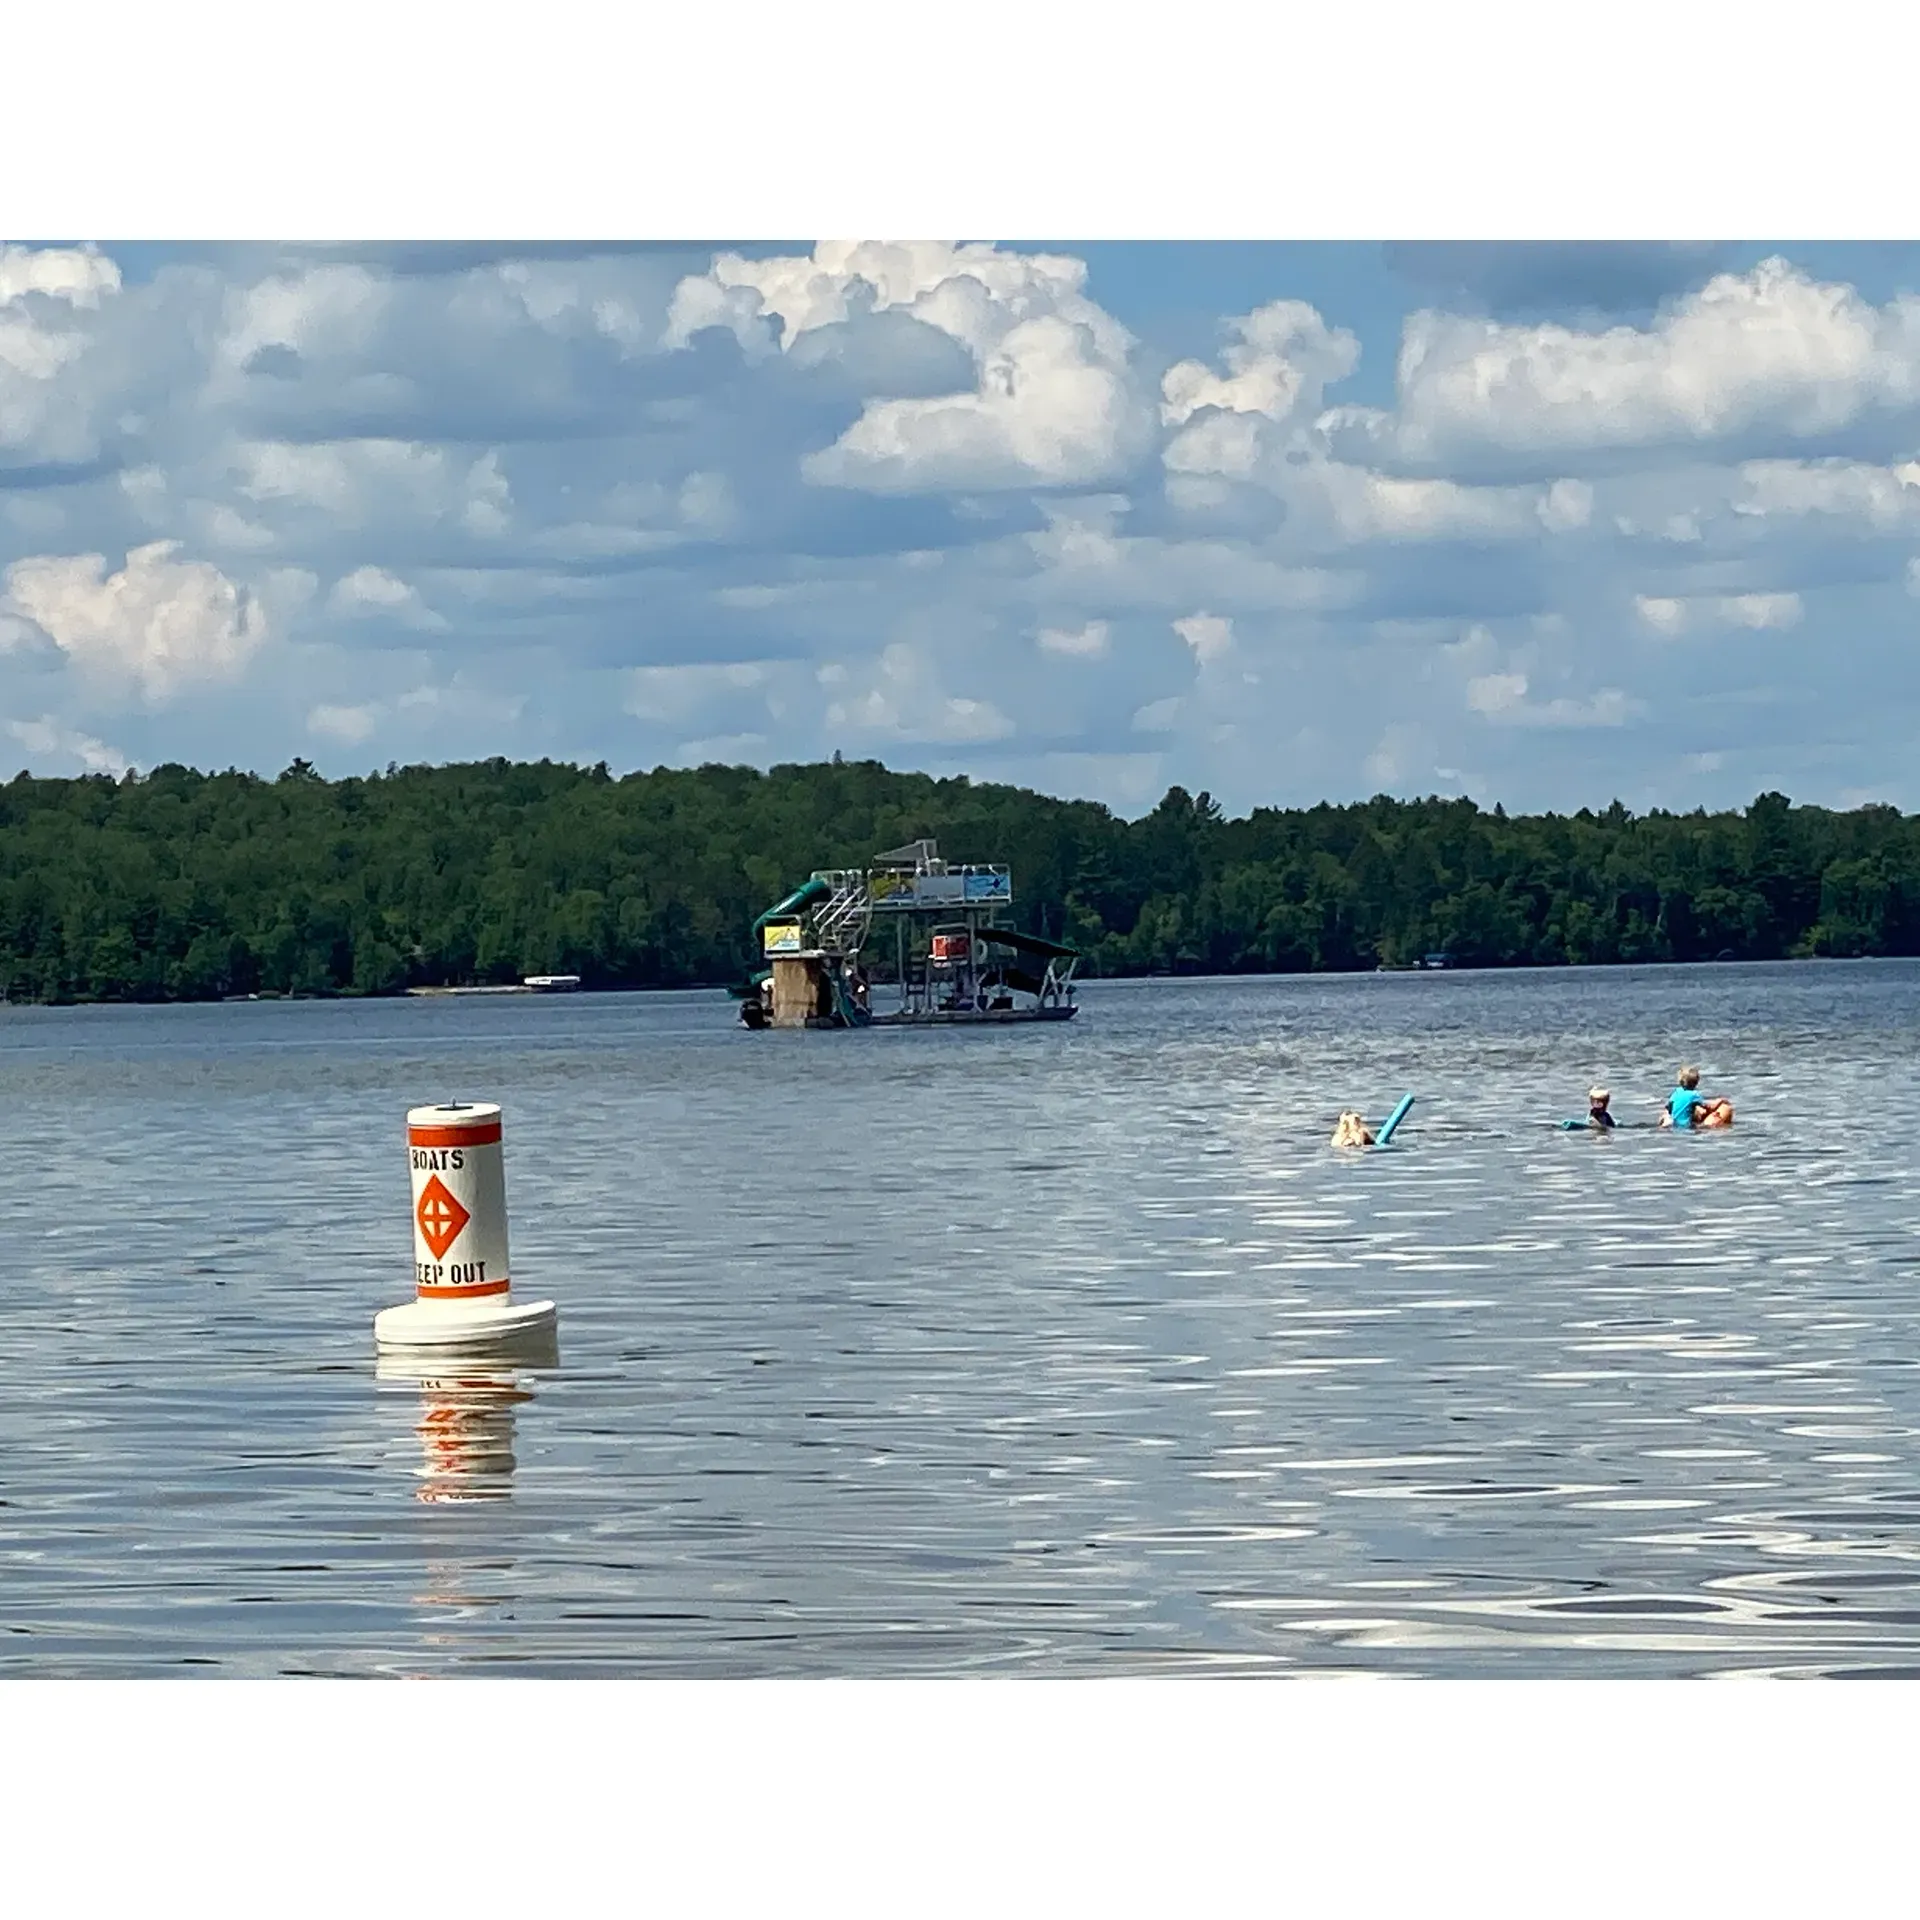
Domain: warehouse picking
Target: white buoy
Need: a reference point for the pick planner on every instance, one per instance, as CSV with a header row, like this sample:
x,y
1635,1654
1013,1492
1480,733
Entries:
x,y
462,1282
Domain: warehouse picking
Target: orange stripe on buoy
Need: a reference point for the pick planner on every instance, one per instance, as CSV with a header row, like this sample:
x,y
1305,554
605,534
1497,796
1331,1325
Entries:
x,y
464,1293
487,1134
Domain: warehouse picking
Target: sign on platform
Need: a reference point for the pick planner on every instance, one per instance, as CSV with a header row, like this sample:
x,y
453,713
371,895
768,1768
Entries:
x,y
916,892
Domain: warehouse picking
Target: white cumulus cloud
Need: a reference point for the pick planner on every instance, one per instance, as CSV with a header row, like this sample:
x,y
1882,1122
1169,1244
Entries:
x,y
154,626
355,483
1769,349
49,298
1259,422
46,738
375,591
1760,610
1280,362
319,312
1755,611
1493,693
348,725
1397,755
1502,699
900,696
80,276
1054,402
1662,614
1886,499
1207,634
1089,642
674,695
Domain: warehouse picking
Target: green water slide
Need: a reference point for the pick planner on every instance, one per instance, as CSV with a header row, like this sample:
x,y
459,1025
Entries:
x,y
809,893
798,901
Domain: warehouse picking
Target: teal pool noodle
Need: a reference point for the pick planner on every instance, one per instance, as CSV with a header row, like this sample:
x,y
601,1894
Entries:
x,y
1393,1120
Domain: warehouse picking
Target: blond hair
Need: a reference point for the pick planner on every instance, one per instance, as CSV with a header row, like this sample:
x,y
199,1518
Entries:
x,y
1689,1077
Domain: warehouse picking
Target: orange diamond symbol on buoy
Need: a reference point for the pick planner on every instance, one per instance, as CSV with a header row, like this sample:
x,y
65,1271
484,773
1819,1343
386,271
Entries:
x,y
442,1219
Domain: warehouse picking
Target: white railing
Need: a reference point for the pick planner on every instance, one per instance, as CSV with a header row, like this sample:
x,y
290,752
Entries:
x,y
840,923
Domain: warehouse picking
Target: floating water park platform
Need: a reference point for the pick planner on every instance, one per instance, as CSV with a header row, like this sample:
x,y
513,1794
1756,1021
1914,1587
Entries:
x,y
908,941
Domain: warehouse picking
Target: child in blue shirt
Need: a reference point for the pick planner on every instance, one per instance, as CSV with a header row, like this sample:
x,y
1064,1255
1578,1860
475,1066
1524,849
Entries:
x,y
1688,1107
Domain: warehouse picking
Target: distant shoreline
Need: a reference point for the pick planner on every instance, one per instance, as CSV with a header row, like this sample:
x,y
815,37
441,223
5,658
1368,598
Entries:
x,y
182,886
716,987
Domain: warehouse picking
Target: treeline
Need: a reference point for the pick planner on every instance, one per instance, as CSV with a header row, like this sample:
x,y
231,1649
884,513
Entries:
x,y
183,885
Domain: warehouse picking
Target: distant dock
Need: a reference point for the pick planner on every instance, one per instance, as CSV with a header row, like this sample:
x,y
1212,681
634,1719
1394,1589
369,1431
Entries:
x,y
533,983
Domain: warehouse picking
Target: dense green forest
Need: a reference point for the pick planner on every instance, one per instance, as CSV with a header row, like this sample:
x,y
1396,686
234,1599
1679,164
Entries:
x,y
182,885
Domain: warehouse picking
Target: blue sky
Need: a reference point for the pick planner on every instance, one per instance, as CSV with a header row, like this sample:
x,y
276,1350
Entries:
x,y
1545,523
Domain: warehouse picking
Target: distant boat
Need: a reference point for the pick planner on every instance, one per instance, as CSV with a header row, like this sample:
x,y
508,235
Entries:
x,y
552,982
1434,962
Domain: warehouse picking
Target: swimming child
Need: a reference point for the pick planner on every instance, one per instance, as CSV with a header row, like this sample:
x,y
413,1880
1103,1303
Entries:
x,y
1597,1114
1688,1107
1351,1131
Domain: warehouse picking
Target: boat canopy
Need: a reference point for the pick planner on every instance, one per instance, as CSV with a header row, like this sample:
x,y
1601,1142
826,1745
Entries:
x,y
1029,943
916,854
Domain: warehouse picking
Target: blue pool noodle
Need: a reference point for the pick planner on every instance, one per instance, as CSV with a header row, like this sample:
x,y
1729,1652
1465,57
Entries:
x,y
1393,1120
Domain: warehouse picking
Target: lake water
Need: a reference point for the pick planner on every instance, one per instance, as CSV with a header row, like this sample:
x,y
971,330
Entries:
x,y
1056,1350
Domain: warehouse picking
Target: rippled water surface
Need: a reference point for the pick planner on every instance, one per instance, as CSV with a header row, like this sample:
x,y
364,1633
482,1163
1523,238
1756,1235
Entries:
x,y
1044,1350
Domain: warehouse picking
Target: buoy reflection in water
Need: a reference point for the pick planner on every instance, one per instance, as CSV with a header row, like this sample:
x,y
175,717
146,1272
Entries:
x,y
466,1420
